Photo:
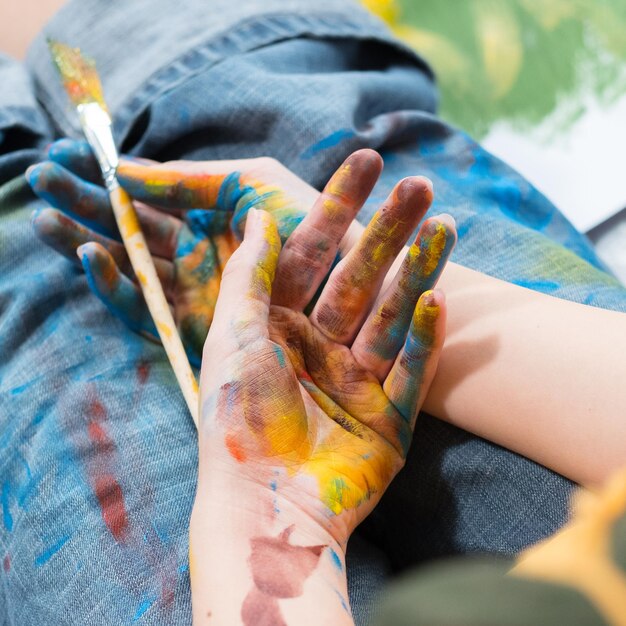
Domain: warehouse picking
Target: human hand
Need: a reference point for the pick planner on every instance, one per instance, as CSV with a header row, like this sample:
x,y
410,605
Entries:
x,y
305,420
207,203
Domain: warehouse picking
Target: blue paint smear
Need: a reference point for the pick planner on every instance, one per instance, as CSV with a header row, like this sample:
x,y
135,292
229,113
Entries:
x,y
545,286
328,142
161,533
336,559
17,390
146,603
343,602
280,356
6,512
46,555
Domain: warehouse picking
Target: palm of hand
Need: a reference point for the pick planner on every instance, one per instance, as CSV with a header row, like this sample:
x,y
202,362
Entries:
x,y
305,420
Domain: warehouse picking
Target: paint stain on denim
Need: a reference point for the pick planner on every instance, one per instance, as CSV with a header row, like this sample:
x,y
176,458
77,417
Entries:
x,y
49,552
106,488
332,140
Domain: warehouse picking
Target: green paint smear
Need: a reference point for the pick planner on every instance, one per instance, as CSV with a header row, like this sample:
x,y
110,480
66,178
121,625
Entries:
x,y
543,53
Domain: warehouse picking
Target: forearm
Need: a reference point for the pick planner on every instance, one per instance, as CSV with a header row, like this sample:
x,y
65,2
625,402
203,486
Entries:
x,y
256,560
536,374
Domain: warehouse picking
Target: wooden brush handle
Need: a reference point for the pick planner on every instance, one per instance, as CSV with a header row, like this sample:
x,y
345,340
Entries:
x,y
143,265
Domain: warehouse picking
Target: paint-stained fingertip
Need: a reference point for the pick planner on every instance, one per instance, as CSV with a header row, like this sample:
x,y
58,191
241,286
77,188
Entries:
x,y
446,220
252,222
366,158
33,175
43,220
428,312
64,148
417,189
444,224
82,252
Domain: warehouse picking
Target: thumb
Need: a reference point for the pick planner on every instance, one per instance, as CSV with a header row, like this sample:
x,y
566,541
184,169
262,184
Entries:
x,y
243,304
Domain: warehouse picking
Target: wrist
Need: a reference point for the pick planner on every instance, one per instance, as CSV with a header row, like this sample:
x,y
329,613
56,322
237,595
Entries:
x,y
252,553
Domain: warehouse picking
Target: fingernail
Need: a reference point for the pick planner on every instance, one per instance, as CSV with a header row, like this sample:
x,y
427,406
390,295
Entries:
x,y
31,174
252,222
34,215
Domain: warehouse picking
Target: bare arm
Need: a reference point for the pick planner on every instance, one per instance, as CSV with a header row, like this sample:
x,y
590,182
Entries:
x,y
542,376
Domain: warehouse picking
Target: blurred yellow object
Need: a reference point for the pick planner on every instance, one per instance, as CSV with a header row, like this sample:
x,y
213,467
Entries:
x,y
498,32
387,10
439,51
582,554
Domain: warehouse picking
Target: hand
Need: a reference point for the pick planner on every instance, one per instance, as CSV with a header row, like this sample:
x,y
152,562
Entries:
x,y
305,420
207,204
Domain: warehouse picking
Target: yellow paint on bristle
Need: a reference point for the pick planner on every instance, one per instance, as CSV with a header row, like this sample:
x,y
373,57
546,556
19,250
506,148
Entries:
x,y
78,73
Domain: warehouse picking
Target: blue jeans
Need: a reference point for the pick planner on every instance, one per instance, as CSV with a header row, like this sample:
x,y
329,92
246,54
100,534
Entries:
x,y
98,462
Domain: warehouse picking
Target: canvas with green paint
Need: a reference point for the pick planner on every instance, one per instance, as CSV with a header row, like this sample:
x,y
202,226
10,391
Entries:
x,y
541,83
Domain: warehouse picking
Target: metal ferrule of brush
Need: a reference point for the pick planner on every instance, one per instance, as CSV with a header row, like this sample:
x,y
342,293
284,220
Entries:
x,y
96,125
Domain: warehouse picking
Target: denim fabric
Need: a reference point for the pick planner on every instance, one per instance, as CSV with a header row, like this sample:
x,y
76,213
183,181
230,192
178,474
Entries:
x,y
98,463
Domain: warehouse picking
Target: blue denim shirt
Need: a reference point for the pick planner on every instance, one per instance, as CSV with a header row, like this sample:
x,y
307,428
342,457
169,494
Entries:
x,y
98,461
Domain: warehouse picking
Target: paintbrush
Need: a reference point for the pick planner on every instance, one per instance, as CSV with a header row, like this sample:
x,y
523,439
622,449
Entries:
x,y
82,84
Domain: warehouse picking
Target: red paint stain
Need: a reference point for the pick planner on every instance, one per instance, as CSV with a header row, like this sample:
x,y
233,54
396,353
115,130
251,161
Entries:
x,y
6,564
143,371
279,570
100,438
261,610
97,410
235,449
111,499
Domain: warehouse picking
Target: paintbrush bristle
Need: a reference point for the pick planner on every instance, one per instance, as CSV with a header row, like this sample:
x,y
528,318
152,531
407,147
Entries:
x,y
78,73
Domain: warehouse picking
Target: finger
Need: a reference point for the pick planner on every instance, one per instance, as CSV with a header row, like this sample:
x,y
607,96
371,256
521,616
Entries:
x,y
65,235
242,308
118,293
77,157
174,189
90,205
310,251
63,190
415,366
383,334
354,283
161,230
198,275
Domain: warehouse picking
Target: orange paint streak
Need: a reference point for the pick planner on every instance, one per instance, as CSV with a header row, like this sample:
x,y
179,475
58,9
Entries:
x,y
236,451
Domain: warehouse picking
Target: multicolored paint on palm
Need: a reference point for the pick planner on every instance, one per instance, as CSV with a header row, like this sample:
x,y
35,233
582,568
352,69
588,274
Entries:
x,y
296,411
310,420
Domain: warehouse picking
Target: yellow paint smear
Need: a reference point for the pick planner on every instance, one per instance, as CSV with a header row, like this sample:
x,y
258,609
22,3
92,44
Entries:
x,y
164,329
580,555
